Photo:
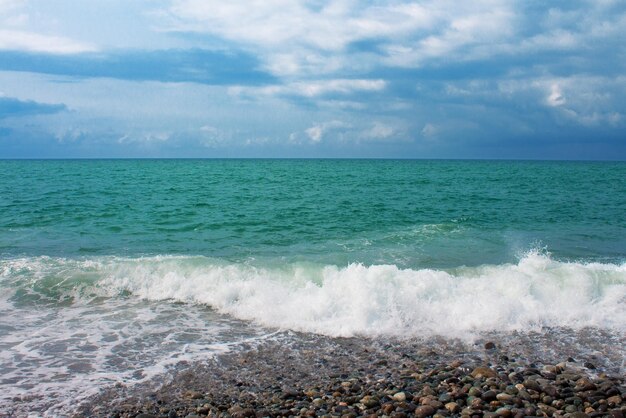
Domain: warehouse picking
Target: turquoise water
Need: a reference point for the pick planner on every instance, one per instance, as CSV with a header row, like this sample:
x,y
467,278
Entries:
x,y
115,271
412,214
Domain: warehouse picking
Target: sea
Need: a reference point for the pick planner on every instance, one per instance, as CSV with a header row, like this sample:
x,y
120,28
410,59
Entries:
x,y
115,271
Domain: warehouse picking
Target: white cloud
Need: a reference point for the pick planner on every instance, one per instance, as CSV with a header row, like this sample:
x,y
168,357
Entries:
x,y
16,36
343,86
586,100
317,132
11,14
430,130
275,23
359,131
582,99
16,40
70,134
210,136
295,38
464,31
145,137
554,40
7,6
342,104
555,98
379,131
311,89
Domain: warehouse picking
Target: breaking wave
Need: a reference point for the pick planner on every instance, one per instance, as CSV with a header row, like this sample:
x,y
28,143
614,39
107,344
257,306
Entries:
x,y
377,300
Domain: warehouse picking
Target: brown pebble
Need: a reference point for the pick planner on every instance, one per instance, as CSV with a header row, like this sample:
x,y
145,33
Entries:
x,y
400,396
578,415
483,372
424,411
503,412
370,401
504,397
585,384
453,407
388,408
192,394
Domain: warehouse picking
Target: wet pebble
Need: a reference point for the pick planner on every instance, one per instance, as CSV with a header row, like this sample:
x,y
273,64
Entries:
x,y
348,381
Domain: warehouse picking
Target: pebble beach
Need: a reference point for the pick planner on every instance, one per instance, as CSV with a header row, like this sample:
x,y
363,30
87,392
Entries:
x,y
311,376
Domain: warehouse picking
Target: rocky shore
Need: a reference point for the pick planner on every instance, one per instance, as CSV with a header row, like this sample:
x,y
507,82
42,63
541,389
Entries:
x,y
317,376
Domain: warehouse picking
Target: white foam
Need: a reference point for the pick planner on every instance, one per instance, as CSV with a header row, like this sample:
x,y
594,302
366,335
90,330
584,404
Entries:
x,y
53,355
385,300
367,300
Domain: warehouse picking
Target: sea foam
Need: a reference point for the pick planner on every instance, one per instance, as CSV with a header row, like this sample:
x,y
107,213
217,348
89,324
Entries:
x,y
379,300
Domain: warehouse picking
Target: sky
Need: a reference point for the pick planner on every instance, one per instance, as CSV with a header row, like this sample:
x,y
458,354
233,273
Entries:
x,y
313,79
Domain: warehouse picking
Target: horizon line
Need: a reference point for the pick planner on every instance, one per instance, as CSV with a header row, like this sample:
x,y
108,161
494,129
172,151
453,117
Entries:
x,y
303,158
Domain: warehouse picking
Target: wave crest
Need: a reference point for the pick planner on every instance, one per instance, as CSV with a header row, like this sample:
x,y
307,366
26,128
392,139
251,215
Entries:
x,y
356,299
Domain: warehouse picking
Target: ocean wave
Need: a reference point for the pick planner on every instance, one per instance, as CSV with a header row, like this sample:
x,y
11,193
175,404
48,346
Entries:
x,y
537,292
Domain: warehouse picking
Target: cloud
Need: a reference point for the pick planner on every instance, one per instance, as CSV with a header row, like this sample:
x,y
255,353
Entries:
x,y
145,137
70,135
462,35
312,89
298,38
12,107
318,77
9,9
274,23
555,98
357,131
379,131
15,40
14,36
175,65
585,100
294,37
317,132
430,131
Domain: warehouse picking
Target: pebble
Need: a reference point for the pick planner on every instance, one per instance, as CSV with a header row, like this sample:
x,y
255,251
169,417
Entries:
x,y
483,372
453,407
489,396
400,396
504,397
503,412
424,411
192,394
474,391
532,385
370,401
578,415
279,381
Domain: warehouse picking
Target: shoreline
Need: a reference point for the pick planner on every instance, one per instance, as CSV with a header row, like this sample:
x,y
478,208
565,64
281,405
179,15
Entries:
x,y
311,375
